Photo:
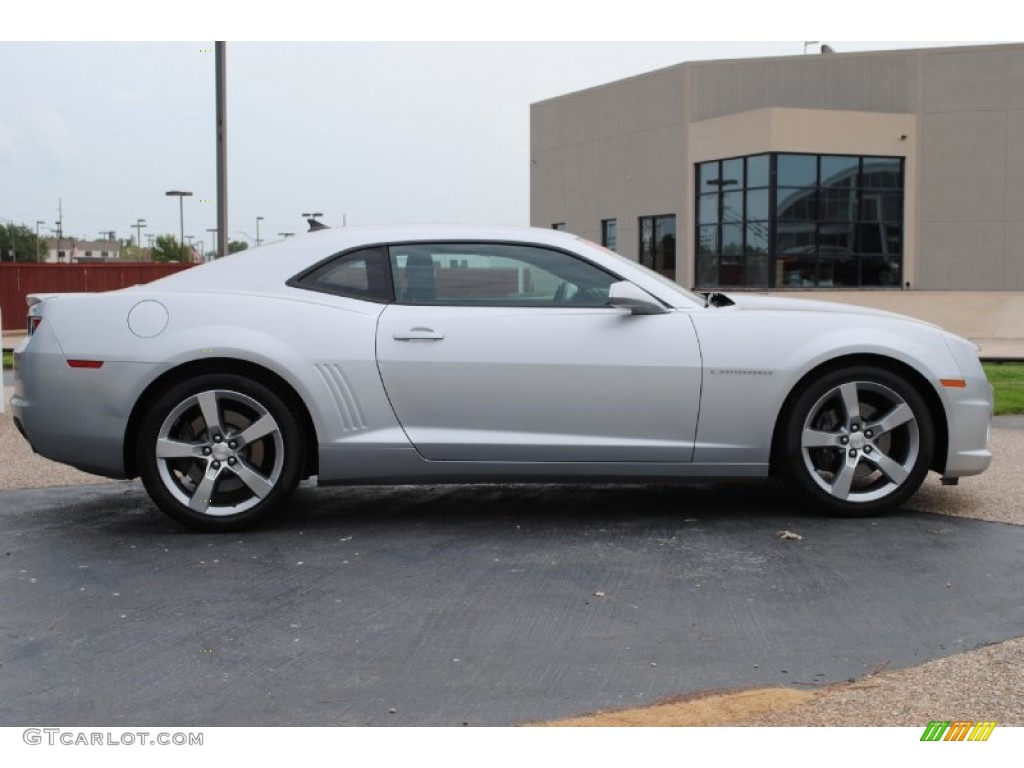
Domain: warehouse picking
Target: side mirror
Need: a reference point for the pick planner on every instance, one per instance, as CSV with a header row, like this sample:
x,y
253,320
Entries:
x,y
625,295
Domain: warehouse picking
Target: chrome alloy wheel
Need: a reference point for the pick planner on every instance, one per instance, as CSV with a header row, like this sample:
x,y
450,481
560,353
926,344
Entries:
x,y
219,452
860,441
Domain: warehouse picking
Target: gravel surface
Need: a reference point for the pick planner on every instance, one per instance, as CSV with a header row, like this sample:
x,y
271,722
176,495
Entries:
x,y
984,684
20,468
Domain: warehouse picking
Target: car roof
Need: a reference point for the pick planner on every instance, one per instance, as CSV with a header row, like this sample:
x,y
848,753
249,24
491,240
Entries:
x,y
271,265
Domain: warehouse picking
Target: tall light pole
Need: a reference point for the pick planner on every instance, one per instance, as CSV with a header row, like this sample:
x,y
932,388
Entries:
x,y
258,241
181,208
214,231
220,66
139,225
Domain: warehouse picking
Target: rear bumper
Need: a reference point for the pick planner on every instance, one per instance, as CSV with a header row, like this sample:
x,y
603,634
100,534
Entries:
x,y
74,416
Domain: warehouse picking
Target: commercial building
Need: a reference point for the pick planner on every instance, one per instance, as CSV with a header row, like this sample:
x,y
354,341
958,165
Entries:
x,y
71,251
878,170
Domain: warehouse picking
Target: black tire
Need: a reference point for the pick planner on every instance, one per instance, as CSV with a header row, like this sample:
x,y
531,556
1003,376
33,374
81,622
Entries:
x,y
857,441
220,452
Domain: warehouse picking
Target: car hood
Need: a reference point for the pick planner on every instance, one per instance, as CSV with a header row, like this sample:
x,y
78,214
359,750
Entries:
x,y
776,304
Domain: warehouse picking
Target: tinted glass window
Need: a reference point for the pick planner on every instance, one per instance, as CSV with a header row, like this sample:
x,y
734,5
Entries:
x,y
732,173
757,171
798,170
360,274
708,177
610,234
800,220
839,171
471,274
881,173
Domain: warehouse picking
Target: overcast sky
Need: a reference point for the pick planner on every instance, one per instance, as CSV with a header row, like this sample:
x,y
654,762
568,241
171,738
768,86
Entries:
x,y
367,132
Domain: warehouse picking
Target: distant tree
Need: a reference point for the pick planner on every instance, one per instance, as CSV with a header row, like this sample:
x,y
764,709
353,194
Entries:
x,y
234,246
169,249
130,252
20,240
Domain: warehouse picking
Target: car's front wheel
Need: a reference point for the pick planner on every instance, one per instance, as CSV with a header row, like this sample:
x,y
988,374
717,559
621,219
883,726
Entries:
x,y
858,441
219,452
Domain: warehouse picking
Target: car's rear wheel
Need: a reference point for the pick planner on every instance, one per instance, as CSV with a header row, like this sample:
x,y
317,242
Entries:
x,y
220,452
858,441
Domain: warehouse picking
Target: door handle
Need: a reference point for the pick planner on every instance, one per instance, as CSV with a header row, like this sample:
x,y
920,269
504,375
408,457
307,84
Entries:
x,y
418,334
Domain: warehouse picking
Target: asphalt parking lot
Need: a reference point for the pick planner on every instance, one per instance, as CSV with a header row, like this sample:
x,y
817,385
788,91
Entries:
x,y
492,605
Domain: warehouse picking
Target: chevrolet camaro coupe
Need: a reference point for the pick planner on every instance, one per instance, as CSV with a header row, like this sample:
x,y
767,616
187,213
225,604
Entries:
x,y
483,354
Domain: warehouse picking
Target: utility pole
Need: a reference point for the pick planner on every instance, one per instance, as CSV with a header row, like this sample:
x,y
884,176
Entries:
x,y
139,224
222,148
258,241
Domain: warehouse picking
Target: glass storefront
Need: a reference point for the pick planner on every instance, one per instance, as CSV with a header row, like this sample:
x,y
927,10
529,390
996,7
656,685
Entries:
x,y
783,220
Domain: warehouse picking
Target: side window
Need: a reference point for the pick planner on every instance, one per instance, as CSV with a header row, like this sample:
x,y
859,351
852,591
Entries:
x,y
495,274
360,274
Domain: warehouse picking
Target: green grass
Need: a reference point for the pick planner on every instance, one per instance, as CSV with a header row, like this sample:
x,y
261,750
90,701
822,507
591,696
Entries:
x,y
1008,381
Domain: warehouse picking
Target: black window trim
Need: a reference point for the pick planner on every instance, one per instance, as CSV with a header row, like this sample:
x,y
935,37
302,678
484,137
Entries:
x,y
506,304
296,281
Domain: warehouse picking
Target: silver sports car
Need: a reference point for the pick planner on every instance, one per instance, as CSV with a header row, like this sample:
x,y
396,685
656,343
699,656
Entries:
x,y
473,354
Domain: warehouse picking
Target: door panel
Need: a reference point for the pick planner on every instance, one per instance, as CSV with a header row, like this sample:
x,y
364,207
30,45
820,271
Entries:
x,y
541,383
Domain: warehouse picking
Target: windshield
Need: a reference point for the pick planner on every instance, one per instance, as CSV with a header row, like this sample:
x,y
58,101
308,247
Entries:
x,y
670,284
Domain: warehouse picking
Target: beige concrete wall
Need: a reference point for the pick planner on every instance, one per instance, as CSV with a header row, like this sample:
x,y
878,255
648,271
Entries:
x,y
611,152
972,169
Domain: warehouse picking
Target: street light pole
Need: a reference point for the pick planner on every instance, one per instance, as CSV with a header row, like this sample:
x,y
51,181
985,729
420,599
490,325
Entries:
x,y
220,65
181,208
139,224
214,231
258,241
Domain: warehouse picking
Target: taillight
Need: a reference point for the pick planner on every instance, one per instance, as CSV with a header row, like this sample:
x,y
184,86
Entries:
x,y
33,323
85,363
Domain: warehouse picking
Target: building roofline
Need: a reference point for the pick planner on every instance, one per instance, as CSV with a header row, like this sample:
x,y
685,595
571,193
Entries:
x,y
683,66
